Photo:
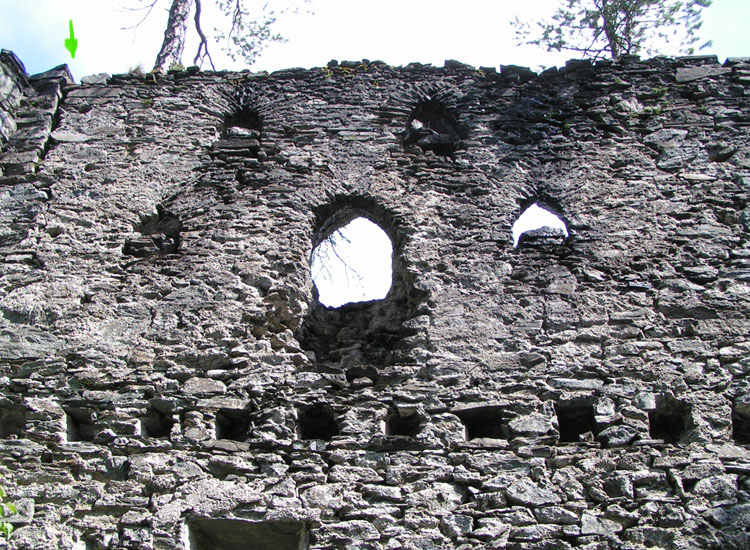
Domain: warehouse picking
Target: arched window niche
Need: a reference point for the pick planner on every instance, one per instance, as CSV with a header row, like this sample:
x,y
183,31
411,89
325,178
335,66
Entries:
x,y
361,333
243,123
353,263
539,224
433,127
240,135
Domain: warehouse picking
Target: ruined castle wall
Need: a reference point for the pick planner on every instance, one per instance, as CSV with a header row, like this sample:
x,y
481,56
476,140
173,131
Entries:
x,y
170,381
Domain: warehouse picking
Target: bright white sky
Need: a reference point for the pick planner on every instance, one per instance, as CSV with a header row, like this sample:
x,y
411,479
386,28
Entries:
x,y
353,265
535,217
398,32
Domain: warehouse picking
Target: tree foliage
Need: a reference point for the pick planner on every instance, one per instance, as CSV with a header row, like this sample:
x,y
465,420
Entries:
x,y
244,33
613,28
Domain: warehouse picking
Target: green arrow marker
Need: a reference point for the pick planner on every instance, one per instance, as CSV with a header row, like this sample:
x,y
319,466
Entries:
x,y
71,44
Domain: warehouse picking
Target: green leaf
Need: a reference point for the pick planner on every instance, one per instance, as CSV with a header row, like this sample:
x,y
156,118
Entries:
x,y
12,508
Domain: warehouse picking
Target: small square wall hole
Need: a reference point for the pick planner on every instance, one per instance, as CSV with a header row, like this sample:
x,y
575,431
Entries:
x,y
317,422
234,534
156,423
402,422
484,422
233,424
574,419
668,420
80,424
12,422
741,422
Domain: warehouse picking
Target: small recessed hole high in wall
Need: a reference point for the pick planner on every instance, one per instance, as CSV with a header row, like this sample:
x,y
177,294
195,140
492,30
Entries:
x,y
160,234
241,136
317,422
538,225
353,264
575,419
244,122
12,422
80,424
233,424
668,421
433,127
741,422
403,422
483,422
157,423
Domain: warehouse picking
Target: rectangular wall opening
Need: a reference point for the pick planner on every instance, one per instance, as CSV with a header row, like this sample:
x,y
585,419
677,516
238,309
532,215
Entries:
x,y
575,419
156,423
80,424
236,534
317,422
405,423
668,421
484,422
12,422
741,422
233,424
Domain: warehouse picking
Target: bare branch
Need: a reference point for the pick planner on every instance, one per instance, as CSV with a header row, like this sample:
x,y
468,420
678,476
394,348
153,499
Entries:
x,y
203,46
150,8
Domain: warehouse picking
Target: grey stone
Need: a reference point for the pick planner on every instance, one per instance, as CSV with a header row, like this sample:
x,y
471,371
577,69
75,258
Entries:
x,y
156,293
593,525
528,493
617,436
556,514
690,74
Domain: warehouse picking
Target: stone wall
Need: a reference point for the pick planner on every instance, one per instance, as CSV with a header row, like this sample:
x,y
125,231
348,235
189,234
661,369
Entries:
x,y
13,84
170,381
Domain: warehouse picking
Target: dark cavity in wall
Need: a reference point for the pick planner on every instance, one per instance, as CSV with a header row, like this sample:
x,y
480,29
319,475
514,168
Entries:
x,y
241,137
233,424
484,422
575,420
433,127
403,422
668,421
160,234
317,422
118,468
235,534
363,334
12,421
741,422
158,422
80,423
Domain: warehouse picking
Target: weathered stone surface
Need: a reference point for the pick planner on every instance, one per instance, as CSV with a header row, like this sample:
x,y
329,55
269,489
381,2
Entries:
x,y
592,525
165,363
528,493
617,436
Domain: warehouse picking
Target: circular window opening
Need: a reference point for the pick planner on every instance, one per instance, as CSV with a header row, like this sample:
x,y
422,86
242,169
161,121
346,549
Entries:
x,y
353,264
537,219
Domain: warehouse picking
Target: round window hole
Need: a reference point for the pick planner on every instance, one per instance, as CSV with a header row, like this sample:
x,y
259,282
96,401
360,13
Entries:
x,y
353,264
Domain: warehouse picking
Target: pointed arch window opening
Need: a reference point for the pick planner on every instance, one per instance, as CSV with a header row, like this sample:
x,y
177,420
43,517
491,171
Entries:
x,y
538,217
353,264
